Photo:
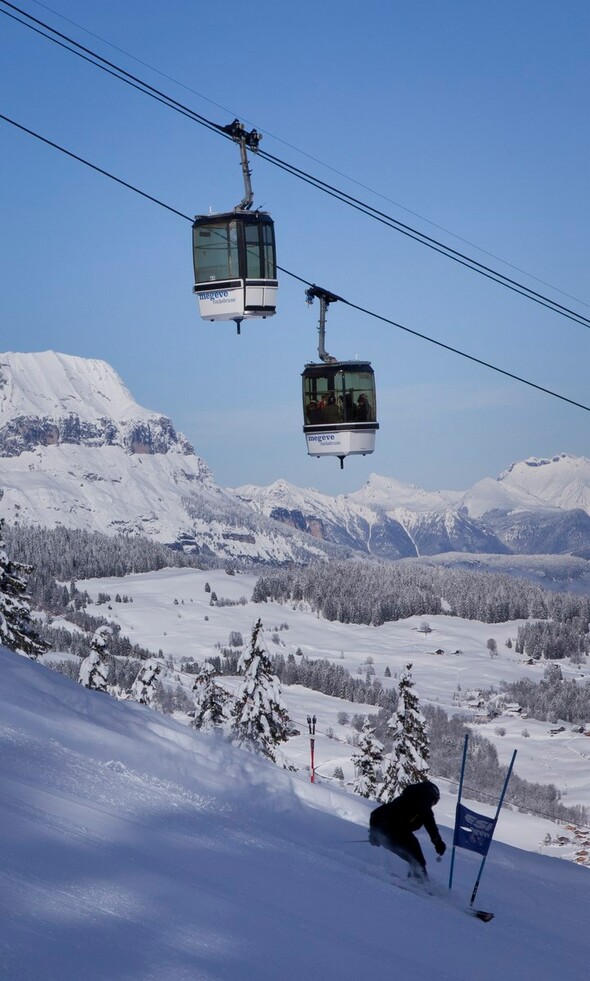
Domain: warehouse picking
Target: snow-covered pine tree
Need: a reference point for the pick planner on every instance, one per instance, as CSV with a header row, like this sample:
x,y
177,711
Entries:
x,y
94,669
410,753
210,698
367,762
143,689
16,628
259,718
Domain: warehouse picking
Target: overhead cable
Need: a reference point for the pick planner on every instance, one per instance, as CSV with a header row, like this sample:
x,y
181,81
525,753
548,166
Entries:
x,y
350,303
310,156
87,163
74,47
462,259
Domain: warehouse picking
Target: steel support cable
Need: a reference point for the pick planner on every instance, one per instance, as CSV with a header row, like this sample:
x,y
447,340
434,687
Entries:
x,y
388,220
300,279
138,86
431,243
310,156
100,170
463,354
441,344
68,44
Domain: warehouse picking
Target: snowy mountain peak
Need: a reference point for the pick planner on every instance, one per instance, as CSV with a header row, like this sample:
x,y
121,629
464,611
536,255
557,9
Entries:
x,y
536,506
51,399
561,481
77,450
49,384
535,461
388,493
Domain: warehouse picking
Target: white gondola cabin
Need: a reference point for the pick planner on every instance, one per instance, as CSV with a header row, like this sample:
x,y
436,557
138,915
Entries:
x,y
234,253
339,409
235,265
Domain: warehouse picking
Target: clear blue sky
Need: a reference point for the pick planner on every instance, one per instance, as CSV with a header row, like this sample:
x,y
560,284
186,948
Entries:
x,y
473,116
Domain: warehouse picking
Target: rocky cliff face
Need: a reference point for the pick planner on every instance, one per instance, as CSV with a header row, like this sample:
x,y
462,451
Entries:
x,y
154,435
380,537
50,399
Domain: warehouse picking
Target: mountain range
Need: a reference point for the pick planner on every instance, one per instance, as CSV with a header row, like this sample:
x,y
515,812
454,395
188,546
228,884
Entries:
x,y
536,507
77,450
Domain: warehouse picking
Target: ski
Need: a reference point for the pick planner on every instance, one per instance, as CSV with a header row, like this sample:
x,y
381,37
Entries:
x,y
480,914
426,888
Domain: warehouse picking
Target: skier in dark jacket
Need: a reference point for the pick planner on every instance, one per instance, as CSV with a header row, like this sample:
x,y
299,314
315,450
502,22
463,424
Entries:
x,y
392,825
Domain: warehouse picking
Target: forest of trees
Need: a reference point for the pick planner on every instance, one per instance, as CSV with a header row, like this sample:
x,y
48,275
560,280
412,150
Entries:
x,y
552,699
69,554
350,592
554,639
76,641
332,679
375,592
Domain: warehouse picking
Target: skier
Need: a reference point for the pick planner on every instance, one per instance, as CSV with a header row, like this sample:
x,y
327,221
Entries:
x,y
392,825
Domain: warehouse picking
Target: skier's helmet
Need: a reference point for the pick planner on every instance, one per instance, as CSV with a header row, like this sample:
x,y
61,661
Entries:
x,y
432,791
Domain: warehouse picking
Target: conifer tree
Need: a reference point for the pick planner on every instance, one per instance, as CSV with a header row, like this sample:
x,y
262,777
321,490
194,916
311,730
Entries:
x,y
16,628
409,756
210,698
259,718
94,669
367,762
144,688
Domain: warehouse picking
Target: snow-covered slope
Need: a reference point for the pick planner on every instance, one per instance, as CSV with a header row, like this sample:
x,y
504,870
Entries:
x,y
135,849
170,610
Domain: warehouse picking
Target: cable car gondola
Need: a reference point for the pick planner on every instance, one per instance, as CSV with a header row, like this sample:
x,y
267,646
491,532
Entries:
x,y
339,399
234,253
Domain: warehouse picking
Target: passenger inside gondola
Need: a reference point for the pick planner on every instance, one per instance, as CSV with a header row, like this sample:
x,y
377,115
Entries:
x,y
314,413
363,409
348,407
332,412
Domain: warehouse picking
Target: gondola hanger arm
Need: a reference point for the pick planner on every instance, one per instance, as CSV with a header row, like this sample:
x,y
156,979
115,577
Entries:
x,y
325,298
246,141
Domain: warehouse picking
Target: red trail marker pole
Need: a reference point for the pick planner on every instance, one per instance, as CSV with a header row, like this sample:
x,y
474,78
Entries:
x,y
311,725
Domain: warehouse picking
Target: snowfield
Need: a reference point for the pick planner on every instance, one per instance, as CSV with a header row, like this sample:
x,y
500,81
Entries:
x,y
135,848
190,627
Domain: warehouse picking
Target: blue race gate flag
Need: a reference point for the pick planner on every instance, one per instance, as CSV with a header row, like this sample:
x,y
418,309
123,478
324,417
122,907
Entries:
x,y
473,831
